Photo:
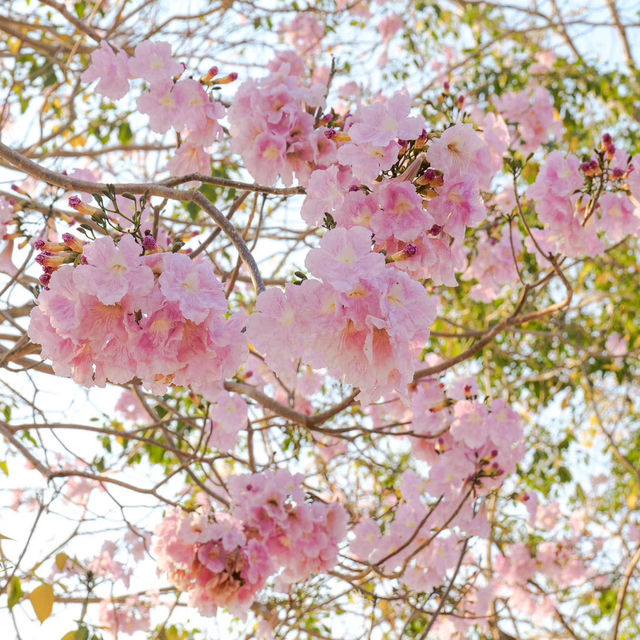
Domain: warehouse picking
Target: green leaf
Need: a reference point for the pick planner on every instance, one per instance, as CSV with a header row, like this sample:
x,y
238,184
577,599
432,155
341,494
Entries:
x,y
81,8
15,592
564,474
124,133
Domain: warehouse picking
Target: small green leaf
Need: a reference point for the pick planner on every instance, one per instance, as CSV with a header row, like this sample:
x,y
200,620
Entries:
x,y
81,8
15,592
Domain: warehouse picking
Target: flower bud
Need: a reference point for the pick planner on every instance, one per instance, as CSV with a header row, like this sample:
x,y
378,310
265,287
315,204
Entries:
x,y
228,79
81,207
209,76
73,243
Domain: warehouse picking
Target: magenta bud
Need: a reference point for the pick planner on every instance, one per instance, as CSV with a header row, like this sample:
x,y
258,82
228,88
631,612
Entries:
x,y
410,250
607,139
149,243
330,134
435,230
39,244
74,202
45,278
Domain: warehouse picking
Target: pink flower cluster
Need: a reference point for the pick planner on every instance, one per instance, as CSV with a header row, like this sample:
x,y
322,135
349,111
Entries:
x,y
361,320
304,33
121,314
223,560
576,224
532,110
419,222
469,448
128,616
183,105
494,264
271,126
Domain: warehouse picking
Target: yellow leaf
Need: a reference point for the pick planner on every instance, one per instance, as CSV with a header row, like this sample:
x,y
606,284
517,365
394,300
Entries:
x,y
42,601
61,561
5,537
69,636
78,141
14,45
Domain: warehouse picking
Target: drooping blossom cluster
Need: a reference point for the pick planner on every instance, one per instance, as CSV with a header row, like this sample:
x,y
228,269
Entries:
x,y
469,448
171,103
272,127
532,114
576,221
420,216
493,265
225,559
124,313
360,319
125,617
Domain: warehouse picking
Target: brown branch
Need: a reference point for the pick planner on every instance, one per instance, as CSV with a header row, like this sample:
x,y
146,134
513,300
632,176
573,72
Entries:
x,y
18,161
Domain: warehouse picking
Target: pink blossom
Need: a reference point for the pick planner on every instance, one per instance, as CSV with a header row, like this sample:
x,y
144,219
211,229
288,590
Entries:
x,y
227,417
193,285
456,151
532,109
383,122
458,205
367,161
389,26
324,194
111,69
494,266
126,617
190,158
401,213
114,271
161,106
616,345
153,62
617,216
634,180
558,177
344,257
304,33
469,424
